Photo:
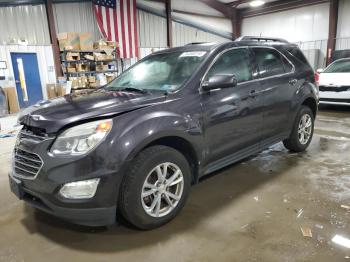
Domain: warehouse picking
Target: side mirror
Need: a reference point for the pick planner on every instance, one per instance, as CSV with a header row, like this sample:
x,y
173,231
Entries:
x,y
220,81
320,70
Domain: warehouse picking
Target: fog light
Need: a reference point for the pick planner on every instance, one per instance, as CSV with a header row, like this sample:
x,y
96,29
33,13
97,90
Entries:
x,y
80,189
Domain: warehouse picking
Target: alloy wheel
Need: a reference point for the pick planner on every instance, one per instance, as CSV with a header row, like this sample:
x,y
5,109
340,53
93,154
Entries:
x,y
305,129
162,189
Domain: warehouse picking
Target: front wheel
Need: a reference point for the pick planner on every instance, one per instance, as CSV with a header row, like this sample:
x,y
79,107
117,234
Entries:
x,y
302,132
155,188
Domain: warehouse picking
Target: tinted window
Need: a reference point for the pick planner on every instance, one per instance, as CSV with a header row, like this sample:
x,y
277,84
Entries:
x,y
340,66
236,61
271,63
294,51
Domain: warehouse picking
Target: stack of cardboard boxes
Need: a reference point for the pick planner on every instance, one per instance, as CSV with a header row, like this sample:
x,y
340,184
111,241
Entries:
x,y
89,58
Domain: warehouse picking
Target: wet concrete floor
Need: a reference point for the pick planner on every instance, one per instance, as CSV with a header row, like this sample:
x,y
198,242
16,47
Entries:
x,y
251,211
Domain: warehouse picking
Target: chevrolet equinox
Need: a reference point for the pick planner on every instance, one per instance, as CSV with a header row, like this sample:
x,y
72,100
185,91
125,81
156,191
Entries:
x,y
134,147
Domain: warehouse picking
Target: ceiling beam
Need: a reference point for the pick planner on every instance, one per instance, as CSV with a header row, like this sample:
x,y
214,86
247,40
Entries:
x,y
278,6
218,6
194,13
332,31
169,25
53,37
238,2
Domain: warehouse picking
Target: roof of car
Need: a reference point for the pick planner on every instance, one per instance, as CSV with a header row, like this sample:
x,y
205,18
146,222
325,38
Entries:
x,y
251,41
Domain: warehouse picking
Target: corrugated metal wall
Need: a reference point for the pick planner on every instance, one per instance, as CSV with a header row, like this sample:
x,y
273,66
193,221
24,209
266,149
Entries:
x,y
28,22
183,34
45,63
301,24
152,30
75,17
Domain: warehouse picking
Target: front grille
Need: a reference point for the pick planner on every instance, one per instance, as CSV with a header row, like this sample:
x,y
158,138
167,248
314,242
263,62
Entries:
x,y
29,134
26,164
334,88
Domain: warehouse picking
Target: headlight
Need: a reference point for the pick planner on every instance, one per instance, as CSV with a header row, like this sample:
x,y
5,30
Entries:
x,y
80,139
80,189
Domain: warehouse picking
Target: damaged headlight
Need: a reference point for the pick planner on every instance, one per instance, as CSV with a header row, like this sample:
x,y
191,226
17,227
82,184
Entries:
x,y
78,140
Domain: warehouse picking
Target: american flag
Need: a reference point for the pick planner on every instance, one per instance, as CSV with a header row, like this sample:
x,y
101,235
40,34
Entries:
x,y
117,21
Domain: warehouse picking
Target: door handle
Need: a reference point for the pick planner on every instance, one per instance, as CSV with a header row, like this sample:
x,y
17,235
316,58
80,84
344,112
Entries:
x,y
17,81
293,82
253,93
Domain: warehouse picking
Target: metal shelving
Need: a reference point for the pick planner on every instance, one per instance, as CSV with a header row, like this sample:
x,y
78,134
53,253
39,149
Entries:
x,y
92,63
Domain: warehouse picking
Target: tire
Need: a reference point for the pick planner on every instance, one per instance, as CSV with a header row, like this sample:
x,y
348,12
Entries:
x,y
137,210
295,143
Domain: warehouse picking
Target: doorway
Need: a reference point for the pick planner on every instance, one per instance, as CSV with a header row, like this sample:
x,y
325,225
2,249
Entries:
x,y
27,78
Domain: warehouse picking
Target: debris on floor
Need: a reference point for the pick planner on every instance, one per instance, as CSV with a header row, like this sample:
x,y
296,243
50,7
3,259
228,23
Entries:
x,y
306,231
319,226
299,212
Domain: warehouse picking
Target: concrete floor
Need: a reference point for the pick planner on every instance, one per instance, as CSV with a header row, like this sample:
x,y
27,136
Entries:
x,y
251,211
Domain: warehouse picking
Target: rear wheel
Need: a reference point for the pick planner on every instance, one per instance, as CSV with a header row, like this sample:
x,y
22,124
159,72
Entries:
x,y
155,188
302,132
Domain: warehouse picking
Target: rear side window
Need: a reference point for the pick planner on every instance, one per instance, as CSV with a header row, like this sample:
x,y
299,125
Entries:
x,y
271,63
294,51
235,61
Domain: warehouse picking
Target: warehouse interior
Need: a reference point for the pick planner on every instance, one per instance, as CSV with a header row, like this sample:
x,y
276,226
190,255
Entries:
x,y
275,205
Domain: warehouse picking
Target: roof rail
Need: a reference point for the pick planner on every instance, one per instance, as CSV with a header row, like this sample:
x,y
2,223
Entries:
x,y
198,43
261,39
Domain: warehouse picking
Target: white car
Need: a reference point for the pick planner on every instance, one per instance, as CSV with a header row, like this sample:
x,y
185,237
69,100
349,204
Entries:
x,y
334,83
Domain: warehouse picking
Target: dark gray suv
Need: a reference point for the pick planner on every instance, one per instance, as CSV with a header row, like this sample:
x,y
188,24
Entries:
x,y
134,147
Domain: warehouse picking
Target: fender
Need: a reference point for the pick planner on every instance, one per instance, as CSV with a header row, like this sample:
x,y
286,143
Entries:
x,y
143,130
305,91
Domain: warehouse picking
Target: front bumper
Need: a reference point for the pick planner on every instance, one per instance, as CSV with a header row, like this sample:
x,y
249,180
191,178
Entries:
x,y
335,95
101,216
42,190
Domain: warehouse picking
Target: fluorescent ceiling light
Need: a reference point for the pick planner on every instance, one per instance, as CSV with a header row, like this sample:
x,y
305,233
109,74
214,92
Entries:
x,y
256,3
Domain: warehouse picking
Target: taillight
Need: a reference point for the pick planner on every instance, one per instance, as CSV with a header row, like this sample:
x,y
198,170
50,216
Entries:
x,y
317,78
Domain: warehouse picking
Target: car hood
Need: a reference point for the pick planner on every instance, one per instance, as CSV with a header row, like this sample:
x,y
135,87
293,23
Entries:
x,y
335,79
52,115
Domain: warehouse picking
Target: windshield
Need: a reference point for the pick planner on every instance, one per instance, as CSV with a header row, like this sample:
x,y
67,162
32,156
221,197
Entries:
x,y
341,66
163,72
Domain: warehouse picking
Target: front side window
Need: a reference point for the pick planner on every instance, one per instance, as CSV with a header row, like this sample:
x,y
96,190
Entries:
x,y
341,66
162,72
235,61
271,63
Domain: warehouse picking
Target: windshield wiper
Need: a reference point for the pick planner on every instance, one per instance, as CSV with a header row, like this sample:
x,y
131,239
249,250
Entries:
x,y
133,89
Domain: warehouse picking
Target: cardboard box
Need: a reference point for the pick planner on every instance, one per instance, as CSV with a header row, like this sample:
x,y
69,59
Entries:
x,y
95,85
60,90
68,41
112,44
72,56
11,97
89,57
71,68
100,45
101,68
51,91
83,67
86,41
91,79
110,78
102,57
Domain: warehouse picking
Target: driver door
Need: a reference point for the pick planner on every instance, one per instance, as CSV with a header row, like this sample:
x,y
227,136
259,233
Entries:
x,y
232,116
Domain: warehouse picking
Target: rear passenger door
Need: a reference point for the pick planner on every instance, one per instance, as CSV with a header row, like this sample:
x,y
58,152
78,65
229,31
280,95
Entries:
x,y
276,74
